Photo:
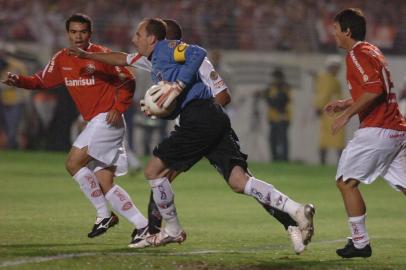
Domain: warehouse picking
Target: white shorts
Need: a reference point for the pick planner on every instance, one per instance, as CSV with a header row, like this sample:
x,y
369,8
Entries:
x,y
105,144
375,152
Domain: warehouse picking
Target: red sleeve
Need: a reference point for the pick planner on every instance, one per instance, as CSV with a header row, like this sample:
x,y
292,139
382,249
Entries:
x,y
125,88
45,79
367,71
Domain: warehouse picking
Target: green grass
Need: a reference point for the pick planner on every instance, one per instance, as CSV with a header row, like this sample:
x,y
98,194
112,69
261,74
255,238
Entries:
x,y
43,214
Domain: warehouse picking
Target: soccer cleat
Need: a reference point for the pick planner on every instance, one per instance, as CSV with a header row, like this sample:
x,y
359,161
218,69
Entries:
x,y
350,251
139,238
296,238
102,225
304,218
162,238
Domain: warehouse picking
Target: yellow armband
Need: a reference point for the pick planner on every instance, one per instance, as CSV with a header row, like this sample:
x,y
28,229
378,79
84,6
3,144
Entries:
x,y
179,54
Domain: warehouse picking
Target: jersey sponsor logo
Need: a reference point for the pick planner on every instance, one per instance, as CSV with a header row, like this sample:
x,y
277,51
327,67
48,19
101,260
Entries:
x,y
214,75
80,82
66,68
358,66
50,66
90,68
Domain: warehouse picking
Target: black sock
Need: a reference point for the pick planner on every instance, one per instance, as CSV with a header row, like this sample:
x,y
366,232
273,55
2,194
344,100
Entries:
x,y
284,218
154,217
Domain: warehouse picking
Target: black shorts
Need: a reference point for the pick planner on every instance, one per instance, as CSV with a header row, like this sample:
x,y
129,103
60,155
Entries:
x,y
204,131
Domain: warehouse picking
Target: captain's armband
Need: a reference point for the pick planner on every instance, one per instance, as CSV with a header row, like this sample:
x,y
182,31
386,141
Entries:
x,y
179,53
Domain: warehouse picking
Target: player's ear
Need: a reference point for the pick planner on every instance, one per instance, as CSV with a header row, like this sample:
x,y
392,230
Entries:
x,y
152,39
348,32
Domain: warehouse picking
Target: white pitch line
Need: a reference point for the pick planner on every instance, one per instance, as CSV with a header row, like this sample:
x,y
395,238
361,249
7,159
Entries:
x,y
39,259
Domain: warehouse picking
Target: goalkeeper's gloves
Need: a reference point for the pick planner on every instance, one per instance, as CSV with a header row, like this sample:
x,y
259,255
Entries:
x,y
168,93
145,110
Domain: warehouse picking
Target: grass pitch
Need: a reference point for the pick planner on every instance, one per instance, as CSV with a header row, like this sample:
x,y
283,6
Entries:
x,y
44,219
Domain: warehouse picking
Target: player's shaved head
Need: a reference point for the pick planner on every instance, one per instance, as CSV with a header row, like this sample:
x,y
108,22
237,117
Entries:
x,y
80,18
173,29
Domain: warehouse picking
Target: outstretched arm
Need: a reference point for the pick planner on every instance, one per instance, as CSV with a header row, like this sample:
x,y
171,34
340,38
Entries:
x,y
111,58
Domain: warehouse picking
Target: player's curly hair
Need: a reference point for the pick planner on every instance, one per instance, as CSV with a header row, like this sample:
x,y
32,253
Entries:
x,y
354,20
80,18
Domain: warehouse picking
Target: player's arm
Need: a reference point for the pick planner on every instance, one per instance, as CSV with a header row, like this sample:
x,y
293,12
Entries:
x,y
364,101
223,98
212,79
124,96
337,106
111,58
191,57
46,79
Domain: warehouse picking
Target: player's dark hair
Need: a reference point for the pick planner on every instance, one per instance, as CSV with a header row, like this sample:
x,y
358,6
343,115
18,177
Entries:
x,y
354,20
173,30
155,27
80,18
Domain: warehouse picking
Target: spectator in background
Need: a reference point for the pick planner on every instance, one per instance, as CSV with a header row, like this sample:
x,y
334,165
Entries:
x,y
11,99
277,96
328,88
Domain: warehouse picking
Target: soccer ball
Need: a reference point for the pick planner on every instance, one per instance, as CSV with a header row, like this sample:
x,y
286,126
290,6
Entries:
x,y
152,106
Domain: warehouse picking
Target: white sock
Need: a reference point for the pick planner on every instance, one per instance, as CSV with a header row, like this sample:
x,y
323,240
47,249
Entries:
x,y
89,185
164,199
121,203
358,230
269,195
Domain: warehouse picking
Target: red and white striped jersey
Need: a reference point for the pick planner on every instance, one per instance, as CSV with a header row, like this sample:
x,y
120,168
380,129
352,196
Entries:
x,y
367,71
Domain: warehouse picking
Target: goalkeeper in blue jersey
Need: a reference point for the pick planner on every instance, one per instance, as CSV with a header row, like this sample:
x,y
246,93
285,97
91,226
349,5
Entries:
x,y
204,131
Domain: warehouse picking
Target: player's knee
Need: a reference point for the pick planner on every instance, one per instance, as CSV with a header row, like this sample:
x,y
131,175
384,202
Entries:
x,y
71,166
150,172
237,181
348,185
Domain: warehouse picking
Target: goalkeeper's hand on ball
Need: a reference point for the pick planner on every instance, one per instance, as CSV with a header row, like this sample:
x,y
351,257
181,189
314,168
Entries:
x,y
168,93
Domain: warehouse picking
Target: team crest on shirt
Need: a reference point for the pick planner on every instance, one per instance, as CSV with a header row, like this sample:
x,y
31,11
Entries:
x,y
365,77
90,68
214,75
172,44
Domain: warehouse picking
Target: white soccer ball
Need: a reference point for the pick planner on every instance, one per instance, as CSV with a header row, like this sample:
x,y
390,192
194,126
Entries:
x,y
152,106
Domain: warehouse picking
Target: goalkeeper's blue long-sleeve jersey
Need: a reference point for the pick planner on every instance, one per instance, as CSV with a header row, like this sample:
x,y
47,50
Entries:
x,y
173,60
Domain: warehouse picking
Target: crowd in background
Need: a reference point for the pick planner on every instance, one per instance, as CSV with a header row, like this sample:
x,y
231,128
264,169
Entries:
x,y
44,119
233,24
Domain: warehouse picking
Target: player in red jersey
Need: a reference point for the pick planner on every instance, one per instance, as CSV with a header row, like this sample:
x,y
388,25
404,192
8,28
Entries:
x,y
101,93
379,146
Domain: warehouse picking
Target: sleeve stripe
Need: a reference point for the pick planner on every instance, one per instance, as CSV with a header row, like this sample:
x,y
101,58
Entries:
x,y
135,59
356,63
385,79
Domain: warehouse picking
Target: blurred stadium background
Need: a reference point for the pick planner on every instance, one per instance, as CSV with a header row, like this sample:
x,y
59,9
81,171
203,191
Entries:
x,y
247,41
